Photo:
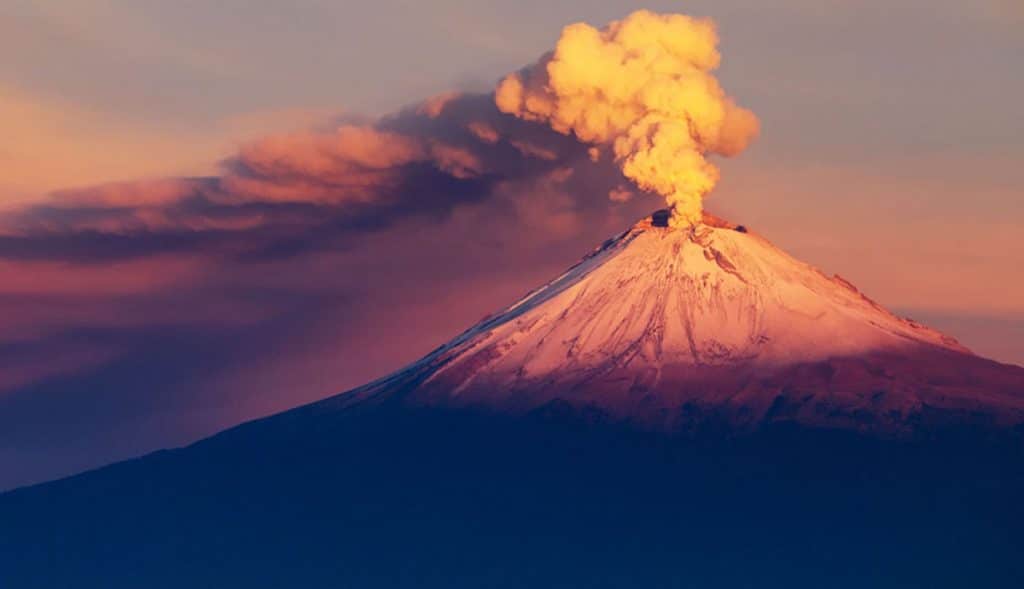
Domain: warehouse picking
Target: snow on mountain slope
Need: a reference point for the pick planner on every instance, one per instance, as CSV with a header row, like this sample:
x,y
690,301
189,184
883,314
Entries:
x,y
713,296
671,327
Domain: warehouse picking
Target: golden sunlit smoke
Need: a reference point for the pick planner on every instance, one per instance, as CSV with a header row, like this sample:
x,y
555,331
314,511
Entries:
x,y
644,87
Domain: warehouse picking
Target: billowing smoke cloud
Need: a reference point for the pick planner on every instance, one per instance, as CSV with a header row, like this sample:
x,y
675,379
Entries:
x,y
642,87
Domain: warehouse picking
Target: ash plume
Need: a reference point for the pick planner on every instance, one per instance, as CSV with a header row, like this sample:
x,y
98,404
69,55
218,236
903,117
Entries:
x,y
313,190
643,88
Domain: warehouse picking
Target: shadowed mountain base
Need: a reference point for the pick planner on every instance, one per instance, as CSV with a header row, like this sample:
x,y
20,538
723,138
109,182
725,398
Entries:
x,y
385,496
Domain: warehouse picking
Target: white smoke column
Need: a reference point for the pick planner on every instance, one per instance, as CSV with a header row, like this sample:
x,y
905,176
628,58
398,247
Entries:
x,y
644,87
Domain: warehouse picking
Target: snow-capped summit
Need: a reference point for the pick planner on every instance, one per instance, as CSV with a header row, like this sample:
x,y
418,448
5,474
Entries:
x,y
670,327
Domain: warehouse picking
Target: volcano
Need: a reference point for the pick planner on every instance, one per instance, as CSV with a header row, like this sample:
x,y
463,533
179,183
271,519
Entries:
x,y
685,407
671,329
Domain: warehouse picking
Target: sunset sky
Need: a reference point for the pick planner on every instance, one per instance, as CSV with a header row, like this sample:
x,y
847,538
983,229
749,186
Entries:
x,y
141,307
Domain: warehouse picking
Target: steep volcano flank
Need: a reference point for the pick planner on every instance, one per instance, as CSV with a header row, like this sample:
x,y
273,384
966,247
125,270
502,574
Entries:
x,y
670,328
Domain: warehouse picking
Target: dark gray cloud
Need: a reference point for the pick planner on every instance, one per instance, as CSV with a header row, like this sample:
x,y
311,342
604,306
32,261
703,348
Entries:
x,y
290,193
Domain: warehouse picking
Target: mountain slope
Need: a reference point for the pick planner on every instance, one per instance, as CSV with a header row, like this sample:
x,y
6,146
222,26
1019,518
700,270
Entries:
x,y
666,328
531,451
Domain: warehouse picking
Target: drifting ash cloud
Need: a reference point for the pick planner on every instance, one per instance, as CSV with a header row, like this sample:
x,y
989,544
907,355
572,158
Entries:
x,y
312,190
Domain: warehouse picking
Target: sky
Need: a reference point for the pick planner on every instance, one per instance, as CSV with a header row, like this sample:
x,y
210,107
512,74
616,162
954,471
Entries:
x,y
143,305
